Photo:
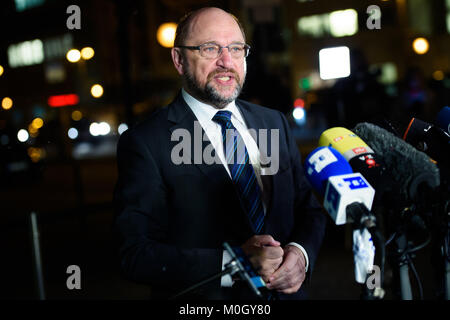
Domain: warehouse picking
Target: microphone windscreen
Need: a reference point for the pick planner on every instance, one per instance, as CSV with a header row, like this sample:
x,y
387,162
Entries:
x,y
322,163
408,166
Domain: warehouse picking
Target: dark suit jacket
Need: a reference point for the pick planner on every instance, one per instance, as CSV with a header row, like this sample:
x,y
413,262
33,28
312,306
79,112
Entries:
x,y
171,220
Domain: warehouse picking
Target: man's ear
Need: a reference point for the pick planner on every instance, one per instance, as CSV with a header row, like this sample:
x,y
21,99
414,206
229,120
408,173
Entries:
x,y
178,60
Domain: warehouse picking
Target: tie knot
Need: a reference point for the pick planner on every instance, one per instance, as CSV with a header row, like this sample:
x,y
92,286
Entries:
x,y
222,117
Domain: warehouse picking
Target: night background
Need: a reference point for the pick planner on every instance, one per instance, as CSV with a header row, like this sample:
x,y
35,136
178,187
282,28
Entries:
x,y
60,120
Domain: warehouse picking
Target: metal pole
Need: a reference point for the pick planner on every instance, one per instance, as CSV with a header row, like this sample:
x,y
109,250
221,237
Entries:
x,y
405,284
37,262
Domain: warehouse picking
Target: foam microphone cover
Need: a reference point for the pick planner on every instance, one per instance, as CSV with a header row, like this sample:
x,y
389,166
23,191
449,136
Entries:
x,y
407,166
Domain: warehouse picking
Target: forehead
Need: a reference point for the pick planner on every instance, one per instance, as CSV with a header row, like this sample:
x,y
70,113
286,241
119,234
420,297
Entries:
x,y
215,26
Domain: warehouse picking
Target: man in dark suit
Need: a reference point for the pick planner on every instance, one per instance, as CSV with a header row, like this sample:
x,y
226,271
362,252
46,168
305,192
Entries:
x,y
175,208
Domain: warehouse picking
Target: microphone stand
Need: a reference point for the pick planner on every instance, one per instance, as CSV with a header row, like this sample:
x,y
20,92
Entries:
x,y
362,218
403,254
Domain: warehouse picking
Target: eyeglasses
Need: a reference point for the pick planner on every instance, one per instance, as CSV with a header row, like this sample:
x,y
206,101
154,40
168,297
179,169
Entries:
x,y
213,50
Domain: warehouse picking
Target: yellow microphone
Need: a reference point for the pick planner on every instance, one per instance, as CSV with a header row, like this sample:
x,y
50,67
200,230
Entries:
x,y
345,141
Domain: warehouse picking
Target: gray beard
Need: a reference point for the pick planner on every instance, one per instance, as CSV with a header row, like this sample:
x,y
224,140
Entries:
x,y
209,94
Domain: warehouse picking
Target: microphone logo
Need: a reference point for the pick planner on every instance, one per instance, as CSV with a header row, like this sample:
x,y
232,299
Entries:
x,y
359,150
369,160
356,183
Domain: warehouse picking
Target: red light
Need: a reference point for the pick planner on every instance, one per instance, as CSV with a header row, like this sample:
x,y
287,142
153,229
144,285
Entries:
x,y
63,100
299,103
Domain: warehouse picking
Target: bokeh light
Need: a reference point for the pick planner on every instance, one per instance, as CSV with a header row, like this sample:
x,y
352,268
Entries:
x,y
77,115
420,45
73,55
22,135
87,53
7,103
97,91
166,34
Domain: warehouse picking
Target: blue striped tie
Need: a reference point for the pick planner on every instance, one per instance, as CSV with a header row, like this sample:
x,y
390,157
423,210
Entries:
x,y
241,170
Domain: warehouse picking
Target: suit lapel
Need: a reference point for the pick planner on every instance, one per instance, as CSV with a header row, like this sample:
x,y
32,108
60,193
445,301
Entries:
x,y
182,117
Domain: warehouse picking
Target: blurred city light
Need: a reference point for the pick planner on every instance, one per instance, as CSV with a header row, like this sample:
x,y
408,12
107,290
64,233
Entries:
x,y
32,131
122,128
73,55
1,70
339,23
37,123
22,5
7,103
438,75
298,113
22,135
166,34
99,129
299,116
97,91
104,128
63,100
420,45
54,72
25,53
343,23
388,72
77,115
334,63
36,153
87,53
299,103
72,133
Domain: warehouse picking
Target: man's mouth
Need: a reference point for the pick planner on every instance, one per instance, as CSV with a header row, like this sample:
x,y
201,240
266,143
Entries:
x,y
224,78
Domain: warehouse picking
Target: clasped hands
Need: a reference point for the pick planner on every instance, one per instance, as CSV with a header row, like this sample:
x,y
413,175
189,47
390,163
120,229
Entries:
x,y
282,269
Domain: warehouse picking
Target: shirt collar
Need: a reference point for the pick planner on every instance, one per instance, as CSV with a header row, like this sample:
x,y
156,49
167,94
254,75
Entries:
x,y
206,112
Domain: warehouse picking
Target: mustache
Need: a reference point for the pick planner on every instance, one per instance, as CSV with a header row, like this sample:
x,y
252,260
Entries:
x,y
219,71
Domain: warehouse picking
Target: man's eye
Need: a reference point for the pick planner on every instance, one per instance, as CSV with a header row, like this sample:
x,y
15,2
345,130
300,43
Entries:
x,y
210,49
237,48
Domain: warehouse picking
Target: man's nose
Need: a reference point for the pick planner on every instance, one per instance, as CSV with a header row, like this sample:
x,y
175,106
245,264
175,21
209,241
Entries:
x,y
225,60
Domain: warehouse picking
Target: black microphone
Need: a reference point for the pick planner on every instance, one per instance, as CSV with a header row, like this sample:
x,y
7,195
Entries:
x,y
241,265
409,167
430,139
443,119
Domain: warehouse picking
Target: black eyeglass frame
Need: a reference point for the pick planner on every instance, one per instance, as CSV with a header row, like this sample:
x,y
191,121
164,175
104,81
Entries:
x,y
246,48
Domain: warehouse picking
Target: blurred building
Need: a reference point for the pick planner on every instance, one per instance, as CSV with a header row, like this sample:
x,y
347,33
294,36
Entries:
x,y
136,74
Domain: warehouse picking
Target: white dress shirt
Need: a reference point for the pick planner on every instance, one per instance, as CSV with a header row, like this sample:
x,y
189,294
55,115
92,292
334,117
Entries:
x,y
204,114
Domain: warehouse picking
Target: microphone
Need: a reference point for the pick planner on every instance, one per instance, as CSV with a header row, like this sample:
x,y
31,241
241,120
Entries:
x,y
241,265
430,139
359,155
347,195
348,198
408,167
322,163
443,119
